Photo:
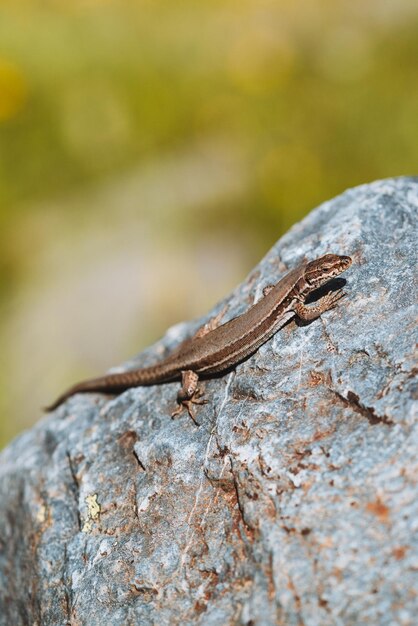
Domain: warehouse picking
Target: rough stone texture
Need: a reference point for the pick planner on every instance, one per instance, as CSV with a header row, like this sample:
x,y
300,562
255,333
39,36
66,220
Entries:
x,y
295,501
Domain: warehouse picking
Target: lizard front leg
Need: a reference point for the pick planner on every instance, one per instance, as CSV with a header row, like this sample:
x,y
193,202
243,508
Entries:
x,y
188,394
329,301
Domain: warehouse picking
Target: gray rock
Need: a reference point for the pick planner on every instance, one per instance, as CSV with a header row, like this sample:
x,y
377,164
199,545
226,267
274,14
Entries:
x,y
295,501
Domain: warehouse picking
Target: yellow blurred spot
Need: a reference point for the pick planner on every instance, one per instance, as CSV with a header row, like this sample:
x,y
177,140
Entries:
x,y
13,90
260,60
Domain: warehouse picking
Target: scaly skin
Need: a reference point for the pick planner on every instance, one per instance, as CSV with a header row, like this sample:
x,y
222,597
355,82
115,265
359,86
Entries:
x,y
217,349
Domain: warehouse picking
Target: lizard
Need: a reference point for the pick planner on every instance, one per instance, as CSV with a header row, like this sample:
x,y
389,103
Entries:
x,y
217,348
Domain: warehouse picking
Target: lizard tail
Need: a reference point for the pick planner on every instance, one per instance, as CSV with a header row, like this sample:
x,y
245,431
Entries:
x,y
112,383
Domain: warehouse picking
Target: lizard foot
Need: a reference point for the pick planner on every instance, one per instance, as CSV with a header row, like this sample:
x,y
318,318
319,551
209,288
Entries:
x,y
185,404
188,404
331,299
189,394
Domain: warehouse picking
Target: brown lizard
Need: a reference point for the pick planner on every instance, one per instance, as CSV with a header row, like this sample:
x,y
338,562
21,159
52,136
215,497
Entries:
x,y
214,350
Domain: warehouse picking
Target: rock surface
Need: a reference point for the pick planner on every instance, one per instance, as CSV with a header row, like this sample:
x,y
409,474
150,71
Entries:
x,y
295,501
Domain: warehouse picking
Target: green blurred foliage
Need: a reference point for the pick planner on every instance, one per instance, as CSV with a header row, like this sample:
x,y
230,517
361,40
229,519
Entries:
x,y
319,92
317,95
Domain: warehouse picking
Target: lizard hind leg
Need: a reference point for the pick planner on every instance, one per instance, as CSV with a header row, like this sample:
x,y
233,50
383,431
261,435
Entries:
x,y
188,394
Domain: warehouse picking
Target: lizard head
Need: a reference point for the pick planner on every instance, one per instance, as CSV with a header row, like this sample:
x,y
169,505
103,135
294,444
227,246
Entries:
x,y
321,270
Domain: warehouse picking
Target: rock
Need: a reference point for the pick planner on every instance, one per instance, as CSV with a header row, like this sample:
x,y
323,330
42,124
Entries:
x,y
295,501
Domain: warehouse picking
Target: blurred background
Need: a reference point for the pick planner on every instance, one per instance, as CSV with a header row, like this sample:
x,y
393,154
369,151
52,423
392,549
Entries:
x,y
152,151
